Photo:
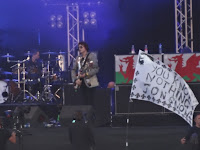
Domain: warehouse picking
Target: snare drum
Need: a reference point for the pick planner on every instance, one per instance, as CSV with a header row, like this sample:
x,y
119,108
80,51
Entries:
x,y
4,92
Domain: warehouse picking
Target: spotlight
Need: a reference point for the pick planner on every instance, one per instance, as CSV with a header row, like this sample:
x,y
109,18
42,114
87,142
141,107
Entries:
x,y
53,24
85,14
99,2
86,21
59,17
59,24
93,14
93,21
53,18
89,18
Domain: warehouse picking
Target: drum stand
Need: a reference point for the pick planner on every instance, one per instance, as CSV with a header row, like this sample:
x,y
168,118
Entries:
x,y
47,94
24,84
24,91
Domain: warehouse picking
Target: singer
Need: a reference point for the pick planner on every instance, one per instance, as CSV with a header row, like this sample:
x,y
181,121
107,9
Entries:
x,y
83,73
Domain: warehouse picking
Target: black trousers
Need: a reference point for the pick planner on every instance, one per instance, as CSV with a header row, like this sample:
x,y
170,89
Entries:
x,y
88,95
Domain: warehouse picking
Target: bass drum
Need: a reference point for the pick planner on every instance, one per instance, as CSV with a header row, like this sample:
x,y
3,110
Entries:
x,y
4,92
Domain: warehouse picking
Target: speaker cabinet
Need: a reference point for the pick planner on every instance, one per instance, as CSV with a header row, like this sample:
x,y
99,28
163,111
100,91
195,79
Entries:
x,y
35,116
68,112
123,106
102,100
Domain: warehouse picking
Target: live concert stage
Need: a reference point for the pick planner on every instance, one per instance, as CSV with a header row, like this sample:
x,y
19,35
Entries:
x,y
129,68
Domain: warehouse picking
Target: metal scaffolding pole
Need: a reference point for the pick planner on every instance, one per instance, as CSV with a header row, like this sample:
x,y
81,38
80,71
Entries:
x,y
73,35
183,24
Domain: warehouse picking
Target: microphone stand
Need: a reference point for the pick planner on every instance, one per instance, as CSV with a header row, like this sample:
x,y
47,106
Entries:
x,y
18,126
69,69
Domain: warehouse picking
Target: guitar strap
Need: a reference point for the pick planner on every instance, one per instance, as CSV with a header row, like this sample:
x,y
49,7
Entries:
x,y
85,60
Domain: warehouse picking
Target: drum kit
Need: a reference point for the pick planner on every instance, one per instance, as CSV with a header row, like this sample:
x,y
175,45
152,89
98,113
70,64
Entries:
x,y
20,85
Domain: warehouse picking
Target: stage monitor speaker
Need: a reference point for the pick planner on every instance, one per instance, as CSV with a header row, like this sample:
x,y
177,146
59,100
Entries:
x,y
35,116
123,106
68,112
101,103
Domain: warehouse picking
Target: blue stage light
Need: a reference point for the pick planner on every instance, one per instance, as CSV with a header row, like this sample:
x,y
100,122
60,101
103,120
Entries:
x,y
93,14
85,14
86,21
53,24
93,21
52,17
59,24
59,18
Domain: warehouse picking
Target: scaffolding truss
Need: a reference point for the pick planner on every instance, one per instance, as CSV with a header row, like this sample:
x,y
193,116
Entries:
x,y
183,24
73,35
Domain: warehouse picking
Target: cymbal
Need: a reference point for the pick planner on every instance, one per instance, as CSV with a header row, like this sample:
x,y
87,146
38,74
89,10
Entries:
x,y
50,53
27,54
62,53
6,72
15,80
7,56
6,80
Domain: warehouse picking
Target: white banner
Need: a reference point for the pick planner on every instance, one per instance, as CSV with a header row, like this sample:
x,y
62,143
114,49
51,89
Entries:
x,y
157,83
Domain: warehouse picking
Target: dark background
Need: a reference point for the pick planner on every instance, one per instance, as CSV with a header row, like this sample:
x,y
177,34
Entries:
x,y
121,23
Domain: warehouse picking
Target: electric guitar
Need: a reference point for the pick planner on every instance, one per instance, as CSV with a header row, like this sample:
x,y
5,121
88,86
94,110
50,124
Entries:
x,y
90,81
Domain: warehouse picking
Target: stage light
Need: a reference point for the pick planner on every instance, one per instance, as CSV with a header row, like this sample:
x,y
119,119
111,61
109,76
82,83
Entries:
x,y
53,24
59,17
59,24
93,14
86,21
56,21
85,14
53,18
99,2
93,21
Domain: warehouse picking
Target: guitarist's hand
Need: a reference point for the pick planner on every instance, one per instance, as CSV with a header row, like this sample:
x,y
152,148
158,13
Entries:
x,y
78,82
82,75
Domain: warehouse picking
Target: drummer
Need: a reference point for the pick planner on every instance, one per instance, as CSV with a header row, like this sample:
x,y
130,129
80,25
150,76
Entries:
x,y
33,65
34,70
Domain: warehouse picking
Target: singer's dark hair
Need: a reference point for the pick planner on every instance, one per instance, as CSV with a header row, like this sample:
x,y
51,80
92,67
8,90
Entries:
x,y
84,44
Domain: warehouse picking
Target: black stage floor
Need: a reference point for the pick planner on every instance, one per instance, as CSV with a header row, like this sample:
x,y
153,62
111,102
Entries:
x,y
107,138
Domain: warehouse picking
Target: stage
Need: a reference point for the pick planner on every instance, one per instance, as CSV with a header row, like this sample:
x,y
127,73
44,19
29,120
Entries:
x,y
107,138
46,45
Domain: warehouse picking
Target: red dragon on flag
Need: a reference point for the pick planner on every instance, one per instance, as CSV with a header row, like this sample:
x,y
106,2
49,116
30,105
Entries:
x,y
128,74
191,71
